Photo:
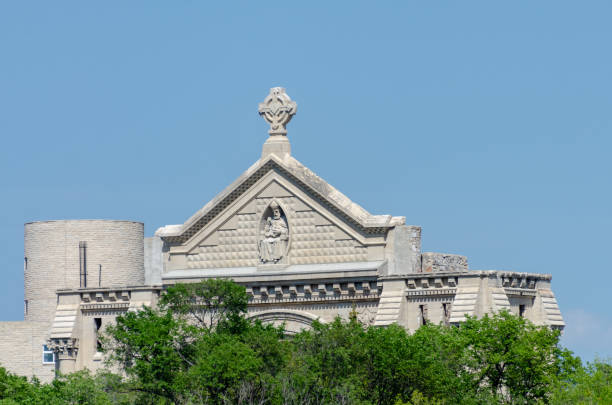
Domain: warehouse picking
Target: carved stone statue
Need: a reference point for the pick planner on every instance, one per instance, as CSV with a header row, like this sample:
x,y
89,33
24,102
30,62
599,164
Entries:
x,y
274,236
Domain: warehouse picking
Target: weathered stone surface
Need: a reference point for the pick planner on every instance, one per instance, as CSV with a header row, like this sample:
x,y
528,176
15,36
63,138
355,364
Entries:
x,y
153,260
442,262
404,250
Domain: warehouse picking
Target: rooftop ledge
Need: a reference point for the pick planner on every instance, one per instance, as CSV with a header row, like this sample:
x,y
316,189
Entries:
x,y
296,269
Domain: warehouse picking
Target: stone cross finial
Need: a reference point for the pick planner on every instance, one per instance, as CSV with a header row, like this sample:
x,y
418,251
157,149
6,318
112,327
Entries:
x,y
277,109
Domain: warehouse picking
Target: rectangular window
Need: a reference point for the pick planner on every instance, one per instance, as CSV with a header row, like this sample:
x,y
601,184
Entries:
x,y
48,355
423,313
98,326
522,311
446,312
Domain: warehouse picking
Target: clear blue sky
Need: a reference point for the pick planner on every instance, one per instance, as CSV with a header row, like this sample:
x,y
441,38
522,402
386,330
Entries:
x,y
487,123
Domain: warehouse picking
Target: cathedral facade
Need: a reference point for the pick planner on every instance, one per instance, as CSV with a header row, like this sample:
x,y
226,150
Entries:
x,y
303,250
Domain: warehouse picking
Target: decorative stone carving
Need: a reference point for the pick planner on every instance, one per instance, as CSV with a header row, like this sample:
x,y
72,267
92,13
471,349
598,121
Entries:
x,y
441,262
274,237
277,109
66,351
316,292
64,348
366,315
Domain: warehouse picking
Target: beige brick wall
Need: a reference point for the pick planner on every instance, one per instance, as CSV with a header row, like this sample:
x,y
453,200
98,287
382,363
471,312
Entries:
x,y
21,346
52,252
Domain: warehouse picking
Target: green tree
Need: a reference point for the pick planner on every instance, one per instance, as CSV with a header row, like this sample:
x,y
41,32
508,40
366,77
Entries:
x,y
496,359
80,388
207,305
197,347
510,358
345,361
150,348
325,365
433,365
586,385
222,364
17,390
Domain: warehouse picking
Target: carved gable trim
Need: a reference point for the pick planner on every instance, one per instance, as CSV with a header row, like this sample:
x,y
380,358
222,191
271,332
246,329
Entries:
x,y
297,174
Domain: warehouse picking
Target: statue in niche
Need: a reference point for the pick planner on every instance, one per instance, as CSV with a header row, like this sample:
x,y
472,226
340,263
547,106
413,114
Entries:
x,y
274,236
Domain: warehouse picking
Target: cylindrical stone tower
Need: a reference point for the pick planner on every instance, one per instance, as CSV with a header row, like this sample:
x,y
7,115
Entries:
x,y
79,254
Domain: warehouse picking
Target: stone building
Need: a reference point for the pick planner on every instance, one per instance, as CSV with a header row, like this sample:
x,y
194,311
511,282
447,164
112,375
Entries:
x,y
302,249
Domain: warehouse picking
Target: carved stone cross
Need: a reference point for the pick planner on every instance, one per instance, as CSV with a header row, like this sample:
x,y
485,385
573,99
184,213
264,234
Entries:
x,y
277,109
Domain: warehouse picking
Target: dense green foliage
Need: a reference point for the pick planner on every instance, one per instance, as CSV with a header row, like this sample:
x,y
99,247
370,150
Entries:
x,y
197,347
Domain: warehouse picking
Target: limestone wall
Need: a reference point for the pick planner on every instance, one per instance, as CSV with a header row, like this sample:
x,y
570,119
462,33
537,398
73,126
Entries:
x,y
403,250
153,260
21,346
52,259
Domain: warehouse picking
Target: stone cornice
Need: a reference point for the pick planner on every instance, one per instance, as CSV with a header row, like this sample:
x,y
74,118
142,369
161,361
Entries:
x,y
433,291
408,276
346,290
315,300
520,292
105,290
117,306
512,274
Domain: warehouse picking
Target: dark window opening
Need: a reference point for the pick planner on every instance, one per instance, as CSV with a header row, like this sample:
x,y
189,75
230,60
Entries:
x,y
83,264
98,325
423,312
446,312
522,311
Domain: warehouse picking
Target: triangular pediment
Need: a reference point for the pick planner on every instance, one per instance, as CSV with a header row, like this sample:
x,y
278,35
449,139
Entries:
x,y
313,233
322,225
291,178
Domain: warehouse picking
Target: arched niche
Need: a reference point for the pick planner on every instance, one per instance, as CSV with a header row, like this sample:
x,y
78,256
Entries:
x,y
295,321
274,234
